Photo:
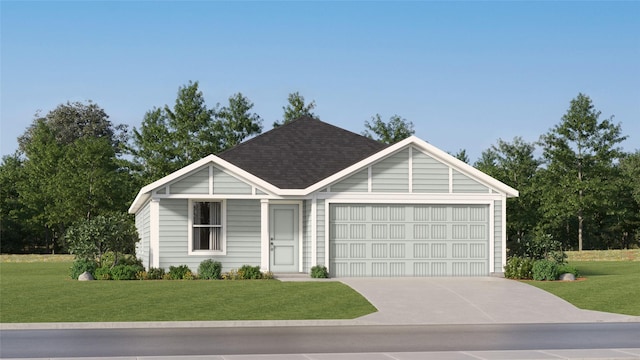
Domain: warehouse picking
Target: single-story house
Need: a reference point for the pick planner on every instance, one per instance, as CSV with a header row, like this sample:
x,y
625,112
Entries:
x,y
308,193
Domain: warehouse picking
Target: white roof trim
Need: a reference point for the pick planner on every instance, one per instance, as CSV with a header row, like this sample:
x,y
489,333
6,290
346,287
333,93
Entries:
x,y
433,151
145,193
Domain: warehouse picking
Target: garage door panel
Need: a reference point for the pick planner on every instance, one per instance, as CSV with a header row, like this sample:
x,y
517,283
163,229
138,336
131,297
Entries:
x,y
409,240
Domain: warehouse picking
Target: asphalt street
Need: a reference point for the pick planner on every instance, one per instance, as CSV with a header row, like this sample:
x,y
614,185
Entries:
x,y
314,339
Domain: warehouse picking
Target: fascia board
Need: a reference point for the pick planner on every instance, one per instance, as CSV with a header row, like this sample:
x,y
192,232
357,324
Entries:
x,y
422,145
464,167
143,193
360,165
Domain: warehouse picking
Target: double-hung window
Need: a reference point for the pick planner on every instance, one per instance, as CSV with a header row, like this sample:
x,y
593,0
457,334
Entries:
x,y
207,234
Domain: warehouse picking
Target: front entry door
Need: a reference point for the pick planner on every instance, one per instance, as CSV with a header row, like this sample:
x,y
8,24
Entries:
x,y
283,238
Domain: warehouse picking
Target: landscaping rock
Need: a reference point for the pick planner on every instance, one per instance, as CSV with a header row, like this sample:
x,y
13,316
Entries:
x,y
85,276
567,277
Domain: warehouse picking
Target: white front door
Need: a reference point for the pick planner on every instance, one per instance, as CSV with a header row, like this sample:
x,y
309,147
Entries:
x,y
283,238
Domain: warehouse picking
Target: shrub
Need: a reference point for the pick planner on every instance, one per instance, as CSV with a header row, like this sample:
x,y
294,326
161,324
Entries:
x,y
92,238
210,270
103,273
155,274
519,268
189,276
81,265
545,270
125,272
268,275
537,246
319,272
178,272
568,269
249,272
231,275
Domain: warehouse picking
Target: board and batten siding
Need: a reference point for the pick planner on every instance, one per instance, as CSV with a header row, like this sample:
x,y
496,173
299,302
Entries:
x,y
243,235
143,227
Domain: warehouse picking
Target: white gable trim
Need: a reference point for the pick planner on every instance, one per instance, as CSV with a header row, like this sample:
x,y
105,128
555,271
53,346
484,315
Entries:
x,y
453,163
430,150
145,192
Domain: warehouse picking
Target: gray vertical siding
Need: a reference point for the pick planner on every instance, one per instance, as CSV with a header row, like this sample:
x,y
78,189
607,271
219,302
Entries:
x,y
429,175
391,174
498,221
224,183
464,184
195,183
143,228
358,182
243,235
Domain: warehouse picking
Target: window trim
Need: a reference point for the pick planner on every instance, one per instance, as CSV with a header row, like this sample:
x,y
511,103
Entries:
x,y
223,227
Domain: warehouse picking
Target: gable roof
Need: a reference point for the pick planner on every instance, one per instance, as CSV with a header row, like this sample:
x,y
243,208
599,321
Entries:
x,y
301,153
427,148
295,160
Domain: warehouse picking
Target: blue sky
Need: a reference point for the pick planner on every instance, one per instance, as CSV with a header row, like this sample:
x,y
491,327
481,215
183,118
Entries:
x,y
465,73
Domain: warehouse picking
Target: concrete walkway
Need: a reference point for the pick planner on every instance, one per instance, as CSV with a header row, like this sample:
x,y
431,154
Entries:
x,y
487,300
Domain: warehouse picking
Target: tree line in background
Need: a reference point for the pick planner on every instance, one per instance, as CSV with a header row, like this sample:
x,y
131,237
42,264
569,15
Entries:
x,y
74,165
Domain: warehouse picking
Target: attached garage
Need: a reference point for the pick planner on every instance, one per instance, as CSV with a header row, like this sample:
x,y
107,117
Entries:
x,y
382,240
311,194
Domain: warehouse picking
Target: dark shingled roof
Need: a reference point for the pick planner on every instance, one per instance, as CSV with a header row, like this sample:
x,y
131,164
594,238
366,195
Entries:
x,y
301,153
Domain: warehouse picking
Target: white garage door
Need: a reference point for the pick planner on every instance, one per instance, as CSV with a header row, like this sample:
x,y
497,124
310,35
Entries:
x,y
409,240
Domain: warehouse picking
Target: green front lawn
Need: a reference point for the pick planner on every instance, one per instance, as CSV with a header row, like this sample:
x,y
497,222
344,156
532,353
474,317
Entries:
x,y
610,286
43,292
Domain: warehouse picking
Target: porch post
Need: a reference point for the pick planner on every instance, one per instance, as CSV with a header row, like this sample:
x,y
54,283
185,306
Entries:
x,y
154,233
264,235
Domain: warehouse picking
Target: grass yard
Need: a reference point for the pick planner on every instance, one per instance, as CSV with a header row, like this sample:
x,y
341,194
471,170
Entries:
x,y
39,291
610,286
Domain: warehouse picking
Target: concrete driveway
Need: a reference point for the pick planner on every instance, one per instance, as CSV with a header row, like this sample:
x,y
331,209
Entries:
x,y
468,301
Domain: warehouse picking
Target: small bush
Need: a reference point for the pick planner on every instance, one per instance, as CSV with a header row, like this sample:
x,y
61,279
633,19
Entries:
x,y
319,272
268,275
189,276
231,275
125,272
103,273
249,272
178,272
568,269
81,265
155,273
545,270
519,268
210,270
